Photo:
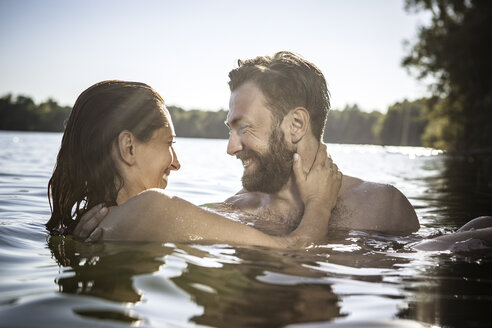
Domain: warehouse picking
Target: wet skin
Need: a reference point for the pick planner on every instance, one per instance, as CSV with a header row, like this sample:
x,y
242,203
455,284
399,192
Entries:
x,y
144,212
361,205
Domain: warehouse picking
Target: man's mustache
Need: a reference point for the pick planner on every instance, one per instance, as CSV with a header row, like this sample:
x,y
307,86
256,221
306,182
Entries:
x,y
247,153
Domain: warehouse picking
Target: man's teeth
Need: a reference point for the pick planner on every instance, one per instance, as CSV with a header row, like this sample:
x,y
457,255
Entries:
x,y
246,162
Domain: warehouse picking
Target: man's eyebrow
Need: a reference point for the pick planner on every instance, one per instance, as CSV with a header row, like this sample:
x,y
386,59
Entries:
x,y
233,122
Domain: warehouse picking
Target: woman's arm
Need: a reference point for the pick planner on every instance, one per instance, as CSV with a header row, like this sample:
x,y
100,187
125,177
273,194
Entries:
x,y
155,216
318,189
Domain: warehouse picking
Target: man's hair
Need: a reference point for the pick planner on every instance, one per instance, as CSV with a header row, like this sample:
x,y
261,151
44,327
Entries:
x,y
287,82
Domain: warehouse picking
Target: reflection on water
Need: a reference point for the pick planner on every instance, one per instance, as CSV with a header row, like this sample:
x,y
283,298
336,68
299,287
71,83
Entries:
x,y
458,189
468,186
354,279
357,277
456,292
89,269
229,285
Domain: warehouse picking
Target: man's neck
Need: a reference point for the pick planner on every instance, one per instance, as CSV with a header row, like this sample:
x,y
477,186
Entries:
x,y
279,212
307,150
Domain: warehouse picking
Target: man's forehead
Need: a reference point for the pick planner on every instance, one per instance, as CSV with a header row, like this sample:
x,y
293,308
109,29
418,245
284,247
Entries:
x,y
245,101
245,94
235,117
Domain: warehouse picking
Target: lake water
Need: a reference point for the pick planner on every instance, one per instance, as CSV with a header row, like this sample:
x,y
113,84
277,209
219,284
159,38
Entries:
x,y
356,279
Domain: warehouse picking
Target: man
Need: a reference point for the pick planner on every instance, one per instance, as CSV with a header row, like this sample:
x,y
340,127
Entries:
x,y
278,106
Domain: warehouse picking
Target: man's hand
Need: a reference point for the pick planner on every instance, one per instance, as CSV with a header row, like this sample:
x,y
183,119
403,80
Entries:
x,y
87,228
322,183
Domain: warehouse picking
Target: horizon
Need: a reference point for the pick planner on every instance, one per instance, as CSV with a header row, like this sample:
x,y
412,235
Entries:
x,y
55,49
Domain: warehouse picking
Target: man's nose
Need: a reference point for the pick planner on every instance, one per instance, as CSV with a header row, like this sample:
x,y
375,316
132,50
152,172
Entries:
x,y
234,145
175,165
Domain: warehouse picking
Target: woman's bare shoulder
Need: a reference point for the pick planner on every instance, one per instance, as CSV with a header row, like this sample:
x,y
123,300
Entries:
x,y
152,194
147,201
137,217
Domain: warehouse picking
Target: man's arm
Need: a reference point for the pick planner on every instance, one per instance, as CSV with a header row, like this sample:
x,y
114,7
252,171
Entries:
x,y
395,215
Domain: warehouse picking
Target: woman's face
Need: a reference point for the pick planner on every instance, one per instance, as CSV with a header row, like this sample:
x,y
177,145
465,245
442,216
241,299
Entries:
x,y
156,158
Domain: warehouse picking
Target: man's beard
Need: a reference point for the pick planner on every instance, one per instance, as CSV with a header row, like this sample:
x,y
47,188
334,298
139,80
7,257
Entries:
x,y
273,168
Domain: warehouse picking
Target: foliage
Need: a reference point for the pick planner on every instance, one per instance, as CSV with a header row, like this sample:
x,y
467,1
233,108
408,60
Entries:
x,y
403,124
199,124
22,113
351,125
454,50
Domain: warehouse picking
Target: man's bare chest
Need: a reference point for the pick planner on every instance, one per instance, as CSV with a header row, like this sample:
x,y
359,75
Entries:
x,y
264,215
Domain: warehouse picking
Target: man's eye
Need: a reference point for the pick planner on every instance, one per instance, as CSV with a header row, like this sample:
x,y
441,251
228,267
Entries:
x,y
243,128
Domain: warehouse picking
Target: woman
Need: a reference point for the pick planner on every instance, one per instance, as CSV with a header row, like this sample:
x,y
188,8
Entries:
x,y
117,149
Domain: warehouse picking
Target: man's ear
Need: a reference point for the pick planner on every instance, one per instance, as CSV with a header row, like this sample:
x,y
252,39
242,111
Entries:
x,y
126,147
298,123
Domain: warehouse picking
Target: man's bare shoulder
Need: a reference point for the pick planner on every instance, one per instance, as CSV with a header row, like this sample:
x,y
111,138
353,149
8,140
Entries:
x,y
355,187
373,206
244,199
240,194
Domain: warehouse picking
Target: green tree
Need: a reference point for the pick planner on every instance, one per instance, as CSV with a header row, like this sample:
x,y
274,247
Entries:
x,y
455,50
21,113
351,125
403,124
199,124
52,116
18,113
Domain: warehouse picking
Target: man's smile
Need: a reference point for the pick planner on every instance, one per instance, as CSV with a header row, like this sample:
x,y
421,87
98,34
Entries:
x,y
247,158
246,162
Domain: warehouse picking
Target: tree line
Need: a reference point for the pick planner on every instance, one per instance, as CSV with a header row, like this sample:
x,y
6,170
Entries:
x,y
453,49
404,123
22,114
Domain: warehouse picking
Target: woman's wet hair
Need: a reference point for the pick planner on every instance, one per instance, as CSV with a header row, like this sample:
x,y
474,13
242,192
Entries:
x,y
85,174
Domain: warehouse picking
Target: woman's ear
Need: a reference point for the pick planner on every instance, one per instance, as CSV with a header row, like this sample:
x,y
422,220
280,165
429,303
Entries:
x,y
126,147
299,123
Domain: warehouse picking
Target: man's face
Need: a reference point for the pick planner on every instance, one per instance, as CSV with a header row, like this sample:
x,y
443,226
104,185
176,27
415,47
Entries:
x,y
254,139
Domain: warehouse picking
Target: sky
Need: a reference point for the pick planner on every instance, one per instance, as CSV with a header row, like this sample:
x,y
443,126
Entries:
x,y
185,49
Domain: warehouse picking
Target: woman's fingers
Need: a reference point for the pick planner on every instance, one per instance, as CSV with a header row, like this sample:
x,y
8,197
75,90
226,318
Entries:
x,y
298,169
334,168
321,156
89,221
96,235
